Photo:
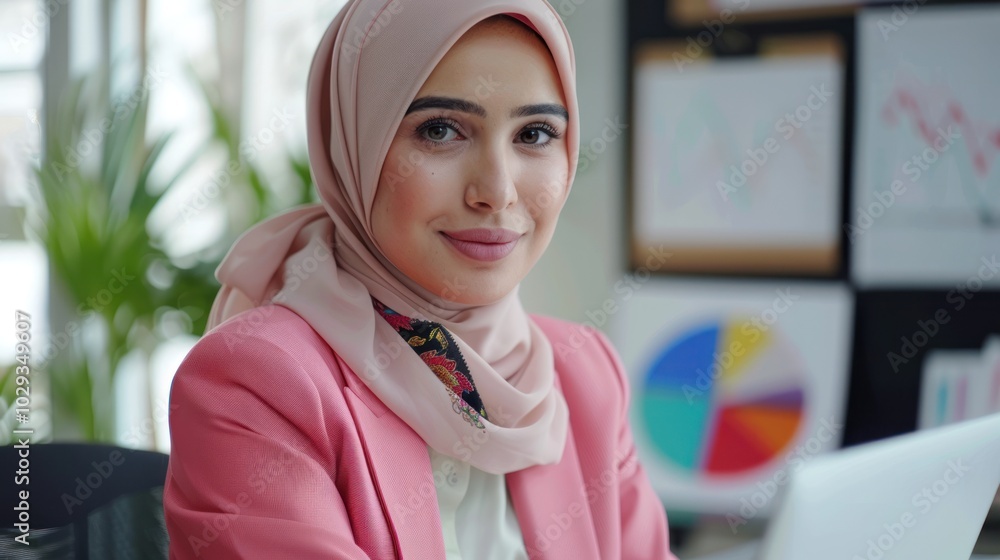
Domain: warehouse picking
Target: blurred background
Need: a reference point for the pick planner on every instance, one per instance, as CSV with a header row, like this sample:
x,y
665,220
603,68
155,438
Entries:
x,y
786,216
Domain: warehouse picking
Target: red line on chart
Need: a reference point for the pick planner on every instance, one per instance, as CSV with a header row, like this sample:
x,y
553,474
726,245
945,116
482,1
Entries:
x,y
984,146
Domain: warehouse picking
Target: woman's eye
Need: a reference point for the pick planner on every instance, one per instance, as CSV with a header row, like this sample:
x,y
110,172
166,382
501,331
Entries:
x,y
438,132
531,136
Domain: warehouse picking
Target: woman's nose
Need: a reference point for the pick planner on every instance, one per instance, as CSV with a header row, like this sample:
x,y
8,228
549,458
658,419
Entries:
x,y
491,183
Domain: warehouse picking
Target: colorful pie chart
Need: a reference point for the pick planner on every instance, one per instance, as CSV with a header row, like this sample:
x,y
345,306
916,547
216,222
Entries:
x,y
723,398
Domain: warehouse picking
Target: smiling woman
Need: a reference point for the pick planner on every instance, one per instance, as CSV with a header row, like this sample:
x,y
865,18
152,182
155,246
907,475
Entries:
x,y
371,386
481,155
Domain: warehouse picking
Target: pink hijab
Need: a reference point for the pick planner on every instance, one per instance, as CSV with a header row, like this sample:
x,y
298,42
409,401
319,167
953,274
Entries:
x,y
370,64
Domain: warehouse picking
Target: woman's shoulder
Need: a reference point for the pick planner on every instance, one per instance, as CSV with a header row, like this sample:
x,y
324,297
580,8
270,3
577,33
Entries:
x,y
576,341
256,343
265,368
584,356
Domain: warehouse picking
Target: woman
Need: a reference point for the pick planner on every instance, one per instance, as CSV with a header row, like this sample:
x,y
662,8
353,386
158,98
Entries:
x,y
371,386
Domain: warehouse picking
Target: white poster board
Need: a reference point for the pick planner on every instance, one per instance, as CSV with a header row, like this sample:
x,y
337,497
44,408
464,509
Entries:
x,y
927,154
738,158
735,385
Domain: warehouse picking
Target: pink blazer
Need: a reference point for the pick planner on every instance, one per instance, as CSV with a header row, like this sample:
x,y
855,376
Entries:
x,y
279,450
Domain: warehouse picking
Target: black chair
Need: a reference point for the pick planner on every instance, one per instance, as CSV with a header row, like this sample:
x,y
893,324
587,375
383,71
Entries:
x,y
85,501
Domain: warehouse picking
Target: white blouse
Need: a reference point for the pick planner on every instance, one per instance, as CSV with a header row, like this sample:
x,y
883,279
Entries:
x,y
476,513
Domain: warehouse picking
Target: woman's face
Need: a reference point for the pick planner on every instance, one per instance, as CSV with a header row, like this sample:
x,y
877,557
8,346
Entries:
x,y
476,174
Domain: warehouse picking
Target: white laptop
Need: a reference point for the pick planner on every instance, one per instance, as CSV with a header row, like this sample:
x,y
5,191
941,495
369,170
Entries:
x,y
919,496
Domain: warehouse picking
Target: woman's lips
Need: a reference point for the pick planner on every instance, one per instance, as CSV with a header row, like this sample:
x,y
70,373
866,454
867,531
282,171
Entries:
x,y
485,252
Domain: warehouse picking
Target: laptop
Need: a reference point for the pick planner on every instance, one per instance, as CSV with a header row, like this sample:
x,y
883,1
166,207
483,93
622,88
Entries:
x,y
918,496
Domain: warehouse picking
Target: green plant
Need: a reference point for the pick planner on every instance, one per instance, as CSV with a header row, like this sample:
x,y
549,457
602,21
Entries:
x,y
93,199
251,179
40,423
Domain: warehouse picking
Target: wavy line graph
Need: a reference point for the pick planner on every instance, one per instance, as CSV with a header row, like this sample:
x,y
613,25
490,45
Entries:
x,y
701,158
983,142
931,110
926,172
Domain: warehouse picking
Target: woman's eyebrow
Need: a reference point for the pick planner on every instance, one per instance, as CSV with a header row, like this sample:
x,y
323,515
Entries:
x,y
454,104
541,109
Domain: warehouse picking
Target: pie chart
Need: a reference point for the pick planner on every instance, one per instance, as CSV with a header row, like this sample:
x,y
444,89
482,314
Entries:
x,y
723,398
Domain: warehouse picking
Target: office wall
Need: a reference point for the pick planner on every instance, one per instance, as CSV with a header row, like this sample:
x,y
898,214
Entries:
x,y
585,258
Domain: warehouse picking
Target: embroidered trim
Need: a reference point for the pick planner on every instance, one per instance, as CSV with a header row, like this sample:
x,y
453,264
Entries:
x,y
438,349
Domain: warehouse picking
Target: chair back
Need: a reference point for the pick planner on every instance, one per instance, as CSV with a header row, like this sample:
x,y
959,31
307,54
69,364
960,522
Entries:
x,y
83,501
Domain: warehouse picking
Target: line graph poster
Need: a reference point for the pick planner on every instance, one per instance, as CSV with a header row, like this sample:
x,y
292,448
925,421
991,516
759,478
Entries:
x,y
927,175
736,162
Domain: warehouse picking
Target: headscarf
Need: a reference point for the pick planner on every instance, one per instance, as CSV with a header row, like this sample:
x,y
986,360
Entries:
x,y
321,260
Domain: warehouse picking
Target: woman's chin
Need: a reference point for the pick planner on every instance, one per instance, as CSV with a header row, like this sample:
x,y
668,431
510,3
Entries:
x,y
476,288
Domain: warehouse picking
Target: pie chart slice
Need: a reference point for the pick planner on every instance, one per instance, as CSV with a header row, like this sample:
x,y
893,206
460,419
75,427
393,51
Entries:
x,y
680,364
684,423
728,420
769,371
733,446
746,437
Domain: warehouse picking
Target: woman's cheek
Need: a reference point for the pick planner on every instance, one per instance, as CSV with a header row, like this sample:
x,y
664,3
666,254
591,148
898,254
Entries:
x,y
546,201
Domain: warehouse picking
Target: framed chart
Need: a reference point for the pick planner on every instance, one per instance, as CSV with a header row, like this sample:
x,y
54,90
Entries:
x,y
927,150
734,383
736,162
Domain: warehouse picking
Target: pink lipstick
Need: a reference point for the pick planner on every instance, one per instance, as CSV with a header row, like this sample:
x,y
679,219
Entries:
x,y
483,244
